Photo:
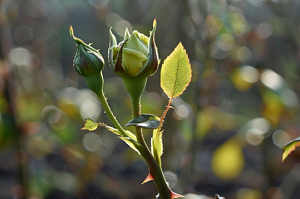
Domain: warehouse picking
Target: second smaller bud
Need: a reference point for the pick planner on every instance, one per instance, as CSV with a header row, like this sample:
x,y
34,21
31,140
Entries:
x,y
89,63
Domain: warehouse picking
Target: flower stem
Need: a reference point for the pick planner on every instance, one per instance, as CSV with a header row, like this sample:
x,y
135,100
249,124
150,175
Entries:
x,y
155,169
110,114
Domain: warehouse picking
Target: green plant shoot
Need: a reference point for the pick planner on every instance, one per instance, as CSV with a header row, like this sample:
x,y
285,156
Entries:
x,y
135,59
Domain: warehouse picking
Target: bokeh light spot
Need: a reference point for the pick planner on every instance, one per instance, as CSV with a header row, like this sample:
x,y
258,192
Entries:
x,y
264,30
239,24
20,56
271,79
64,181
255,130
171,178
91,142
226,42
246,193
107,147
290,99
112,19
249,74
280,138
182,111
120,27
90,109
228,160
243,53
244,77
254,138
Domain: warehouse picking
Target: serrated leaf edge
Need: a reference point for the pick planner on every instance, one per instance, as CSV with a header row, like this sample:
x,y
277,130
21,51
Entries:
x,y
290,147
190,69
156,138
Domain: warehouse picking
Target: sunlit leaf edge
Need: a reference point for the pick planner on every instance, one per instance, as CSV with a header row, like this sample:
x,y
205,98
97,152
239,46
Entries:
x,y
157,144
148,121
289,147
163,83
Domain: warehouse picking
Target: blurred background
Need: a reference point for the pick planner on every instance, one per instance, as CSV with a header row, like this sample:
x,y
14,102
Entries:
x,y
224,136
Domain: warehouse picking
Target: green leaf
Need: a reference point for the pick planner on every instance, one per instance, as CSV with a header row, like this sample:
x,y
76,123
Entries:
x,y
289,147
132,143
157,145
90,125
117,132
148,121
129,138
176,72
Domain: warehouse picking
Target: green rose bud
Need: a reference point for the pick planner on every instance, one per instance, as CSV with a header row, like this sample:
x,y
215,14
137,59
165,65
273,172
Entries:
x,y
89,63
134,59
136,56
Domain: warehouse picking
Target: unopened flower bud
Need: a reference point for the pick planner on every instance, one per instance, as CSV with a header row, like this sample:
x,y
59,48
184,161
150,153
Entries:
x,y
136,56
134,59
89,63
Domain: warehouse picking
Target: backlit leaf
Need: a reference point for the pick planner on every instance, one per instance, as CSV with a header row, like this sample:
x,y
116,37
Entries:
x,y
148,121
176,72
117,132
90,125
289,147
157,145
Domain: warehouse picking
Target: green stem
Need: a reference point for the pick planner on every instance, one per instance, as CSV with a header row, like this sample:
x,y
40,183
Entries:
x,y
110,114
155,169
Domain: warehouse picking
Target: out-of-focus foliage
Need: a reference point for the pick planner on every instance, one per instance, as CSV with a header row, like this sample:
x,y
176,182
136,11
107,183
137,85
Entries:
x,y
224,135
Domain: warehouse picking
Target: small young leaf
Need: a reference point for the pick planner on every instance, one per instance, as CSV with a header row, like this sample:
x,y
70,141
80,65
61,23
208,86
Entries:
x,y
148,121
90,125
157,145
289,147
132,143
176,72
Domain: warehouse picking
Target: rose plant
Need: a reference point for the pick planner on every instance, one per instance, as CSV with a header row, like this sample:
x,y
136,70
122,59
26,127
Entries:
x,y
134,59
